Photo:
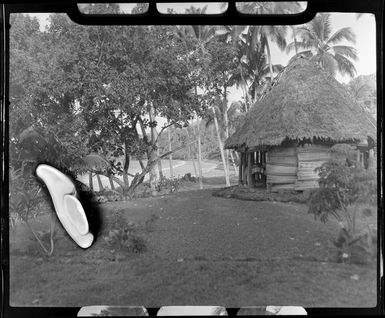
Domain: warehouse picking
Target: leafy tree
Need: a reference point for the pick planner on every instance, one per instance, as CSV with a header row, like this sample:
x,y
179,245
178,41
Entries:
x,y
218,80
321,45
117,79
33,136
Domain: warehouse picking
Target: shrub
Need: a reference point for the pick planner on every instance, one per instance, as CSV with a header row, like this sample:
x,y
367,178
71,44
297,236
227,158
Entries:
x,y
26,201
121,235
346,190
172,185
107,195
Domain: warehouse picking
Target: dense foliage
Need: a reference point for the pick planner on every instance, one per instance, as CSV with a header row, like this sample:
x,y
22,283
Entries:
x,y
346,191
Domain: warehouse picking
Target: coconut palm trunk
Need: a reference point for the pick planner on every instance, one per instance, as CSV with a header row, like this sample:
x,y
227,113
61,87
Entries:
x,y
233,161
221,149
169,149
226,123
193,161
199,156
199,146
197,133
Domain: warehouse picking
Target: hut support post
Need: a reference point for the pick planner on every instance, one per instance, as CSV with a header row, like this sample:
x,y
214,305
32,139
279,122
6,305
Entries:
x,y
371,160
358,157
244,166
250,157
268,185
240,170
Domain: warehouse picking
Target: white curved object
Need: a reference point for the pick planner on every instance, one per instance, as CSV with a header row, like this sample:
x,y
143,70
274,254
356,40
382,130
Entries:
x,y
192,311
67,206
286,310
117,311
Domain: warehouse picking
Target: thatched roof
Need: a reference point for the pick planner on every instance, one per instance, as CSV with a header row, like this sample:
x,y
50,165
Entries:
x,y
304,103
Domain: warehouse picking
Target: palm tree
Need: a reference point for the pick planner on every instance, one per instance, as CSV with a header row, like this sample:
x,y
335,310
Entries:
x,y
220,113
201,35
268,33
253,70
320,45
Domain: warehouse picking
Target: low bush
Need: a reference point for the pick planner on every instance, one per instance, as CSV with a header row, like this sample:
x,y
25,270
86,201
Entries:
x,y
346,192
121,235
168,184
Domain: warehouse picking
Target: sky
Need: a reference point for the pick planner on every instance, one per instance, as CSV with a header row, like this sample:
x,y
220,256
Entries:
x,y
364,28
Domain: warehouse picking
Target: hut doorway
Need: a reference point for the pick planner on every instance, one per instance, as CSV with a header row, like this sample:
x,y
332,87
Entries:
x,y
252,168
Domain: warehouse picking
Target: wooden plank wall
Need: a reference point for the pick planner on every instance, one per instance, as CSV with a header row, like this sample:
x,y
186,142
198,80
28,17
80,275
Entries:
x,y
310,157
281,168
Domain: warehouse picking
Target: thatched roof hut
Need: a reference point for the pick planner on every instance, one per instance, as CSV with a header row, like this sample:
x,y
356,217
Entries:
x,y
304,105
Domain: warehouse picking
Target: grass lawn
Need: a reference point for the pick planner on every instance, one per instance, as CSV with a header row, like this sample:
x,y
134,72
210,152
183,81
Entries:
x,y
201,250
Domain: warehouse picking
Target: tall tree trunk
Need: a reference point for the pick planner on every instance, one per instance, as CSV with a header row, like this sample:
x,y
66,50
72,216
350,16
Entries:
x,y
100,184
152,173
159,163
192,159
111,182
233,161
152,152
199,156
226,122
169,149
90,182
125,167
160,169
221,149
199,146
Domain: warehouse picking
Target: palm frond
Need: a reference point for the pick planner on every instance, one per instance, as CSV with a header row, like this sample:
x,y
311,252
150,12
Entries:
x,y
342,34
316,27
326,25
291,47
301,45
309,36
278,35
347,51
345,66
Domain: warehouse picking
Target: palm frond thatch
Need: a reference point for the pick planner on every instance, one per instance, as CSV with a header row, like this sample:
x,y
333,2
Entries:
x,y
304,103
